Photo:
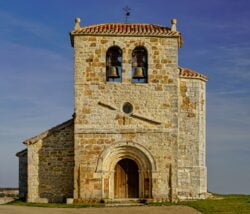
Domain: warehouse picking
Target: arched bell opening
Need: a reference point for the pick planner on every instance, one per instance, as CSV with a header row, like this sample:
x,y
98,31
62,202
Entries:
x,y
114,64
140,65
126,179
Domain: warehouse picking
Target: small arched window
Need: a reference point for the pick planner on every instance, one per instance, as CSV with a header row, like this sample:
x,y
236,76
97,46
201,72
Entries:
x,y
114,64
140,65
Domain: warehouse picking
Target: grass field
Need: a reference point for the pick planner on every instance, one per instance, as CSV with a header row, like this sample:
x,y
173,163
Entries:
x,y
223,204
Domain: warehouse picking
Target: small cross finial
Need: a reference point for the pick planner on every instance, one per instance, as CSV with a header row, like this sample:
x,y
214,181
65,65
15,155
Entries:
x,y
127,13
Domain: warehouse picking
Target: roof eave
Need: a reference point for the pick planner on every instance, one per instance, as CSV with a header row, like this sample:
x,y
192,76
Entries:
x,y
205,79
72,34
189,76
22,152
36,138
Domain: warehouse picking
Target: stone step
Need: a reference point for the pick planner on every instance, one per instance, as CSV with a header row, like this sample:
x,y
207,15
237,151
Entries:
x,y
123,202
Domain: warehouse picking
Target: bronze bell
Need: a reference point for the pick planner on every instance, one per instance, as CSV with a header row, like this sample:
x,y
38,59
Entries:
x,y
113,72
138,73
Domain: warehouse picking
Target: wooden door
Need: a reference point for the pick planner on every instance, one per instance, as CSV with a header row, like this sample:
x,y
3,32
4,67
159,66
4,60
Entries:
x,y
120,182
126,179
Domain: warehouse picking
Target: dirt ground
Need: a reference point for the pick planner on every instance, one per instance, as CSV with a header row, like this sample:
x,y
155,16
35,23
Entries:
x,y
8,209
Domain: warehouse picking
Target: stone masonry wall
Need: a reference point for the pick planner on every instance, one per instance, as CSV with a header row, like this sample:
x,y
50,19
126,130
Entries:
x,y
91,146
98,126
91,86
8,195
191,145
51,166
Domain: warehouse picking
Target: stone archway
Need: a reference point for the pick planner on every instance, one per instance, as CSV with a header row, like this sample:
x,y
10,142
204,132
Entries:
x,y
112,156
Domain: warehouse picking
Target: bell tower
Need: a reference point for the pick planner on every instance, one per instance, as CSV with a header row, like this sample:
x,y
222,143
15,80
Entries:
x,y
128,109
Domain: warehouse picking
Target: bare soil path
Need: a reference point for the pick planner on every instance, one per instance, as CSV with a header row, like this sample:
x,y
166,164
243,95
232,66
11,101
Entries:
x,y
9,209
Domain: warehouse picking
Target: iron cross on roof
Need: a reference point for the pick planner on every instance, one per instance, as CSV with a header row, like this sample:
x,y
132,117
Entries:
x,y
126,13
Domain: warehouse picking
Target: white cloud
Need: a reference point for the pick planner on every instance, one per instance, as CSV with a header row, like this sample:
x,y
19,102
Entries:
x,y
228,121
13,24
230,64
228,141
36,92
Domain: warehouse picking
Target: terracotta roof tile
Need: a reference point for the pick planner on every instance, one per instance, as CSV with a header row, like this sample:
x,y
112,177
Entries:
x,y
187,73
123,28
128,29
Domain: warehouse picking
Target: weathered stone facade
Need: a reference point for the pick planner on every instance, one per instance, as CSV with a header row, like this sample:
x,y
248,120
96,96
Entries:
x,y
50,167
164,134
191,142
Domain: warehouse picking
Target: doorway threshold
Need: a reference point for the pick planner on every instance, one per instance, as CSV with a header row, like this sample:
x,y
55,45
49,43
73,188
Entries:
x,y
123,202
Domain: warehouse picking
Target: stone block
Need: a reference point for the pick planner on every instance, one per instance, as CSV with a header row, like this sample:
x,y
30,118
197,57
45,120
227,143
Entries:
x,y
69,201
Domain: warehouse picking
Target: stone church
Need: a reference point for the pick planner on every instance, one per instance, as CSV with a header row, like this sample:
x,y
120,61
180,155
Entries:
x,y
139,123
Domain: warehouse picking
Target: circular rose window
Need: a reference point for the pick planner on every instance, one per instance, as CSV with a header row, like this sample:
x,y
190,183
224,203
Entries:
x,y
127,108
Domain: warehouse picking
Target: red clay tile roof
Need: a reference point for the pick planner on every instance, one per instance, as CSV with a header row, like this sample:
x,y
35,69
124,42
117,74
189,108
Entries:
x,y
187,73
127,29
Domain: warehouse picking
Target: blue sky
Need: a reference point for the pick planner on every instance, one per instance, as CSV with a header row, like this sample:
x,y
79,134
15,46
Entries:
x,y
36,72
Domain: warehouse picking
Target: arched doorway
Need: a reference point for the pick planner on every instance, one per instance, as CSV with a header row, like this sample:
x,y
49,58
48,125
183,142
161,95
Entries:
x,y
126,179
138,157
